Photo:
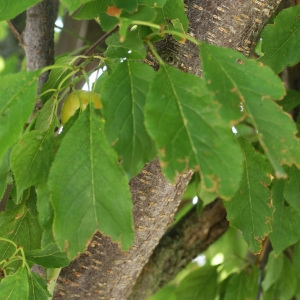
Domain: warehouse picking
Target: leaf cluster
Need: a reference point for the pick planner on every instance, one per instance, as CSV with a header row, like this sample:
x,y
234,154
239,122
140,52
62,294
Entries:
x,y
66,183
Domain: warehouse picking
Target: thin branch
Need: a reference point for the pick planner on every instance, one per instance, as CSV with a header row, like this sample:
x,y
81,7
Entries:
x,y
16,31
96,44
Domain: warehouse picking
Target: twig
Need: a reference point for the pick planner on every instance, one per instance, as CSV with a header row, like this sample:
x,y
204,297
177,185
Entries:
x,y
96,44
16,32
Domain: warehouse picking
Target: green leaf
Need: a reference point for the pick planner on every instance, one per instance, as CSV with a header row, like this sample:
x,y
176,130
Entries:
x,y
199,284
273,272
89,190
280,41
131,48
37,287
123,95
290,101
243,285
296,264
21,226
31,159
72,5
166,293
287,285
92,9
15,286
129,5
292,187
4,170
56,76
48,257
285,220
184,122
17,97
153,3
173,9
236,80
108,22
250,210
46,116
10,9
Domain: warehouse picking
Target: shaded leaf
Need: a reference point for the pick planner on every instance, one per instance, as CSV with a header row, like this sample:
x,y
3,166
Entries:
x,y
250,210
236,80
89,190
4,170
31,159
290,101
285,220
273,271
243,285
21,226
292,187
123,95
48,257
17,98
184,122
15,286
280,41
199,284
287,285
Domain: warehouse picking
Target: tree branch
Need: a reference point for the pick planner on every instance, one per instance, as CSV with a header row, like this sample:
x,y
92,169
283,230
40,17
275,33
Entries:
x,y
192,235
38,37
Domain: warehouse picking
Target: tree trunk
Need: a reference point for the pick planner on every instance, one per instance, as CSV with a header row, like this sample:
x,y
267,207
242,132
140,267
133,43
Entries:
x,y
104,271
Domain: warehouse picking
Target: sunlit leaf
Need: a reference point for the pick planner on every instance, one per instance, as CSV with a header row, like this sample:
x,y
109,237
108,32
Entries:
x,y
190,134
72,5
250,210
37,287
15,286
9,10
280,41
89,190
200,284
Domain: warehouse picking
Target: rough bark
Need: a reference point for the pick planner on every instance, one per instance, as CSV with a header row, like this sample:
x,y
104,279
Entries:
x,y
191,236
38,37
104,271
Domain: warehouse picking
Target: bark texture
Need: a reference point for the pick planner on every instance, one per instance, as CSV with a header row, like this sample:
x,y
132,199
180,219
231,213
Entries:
x,y
38,37
104,271
191,236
